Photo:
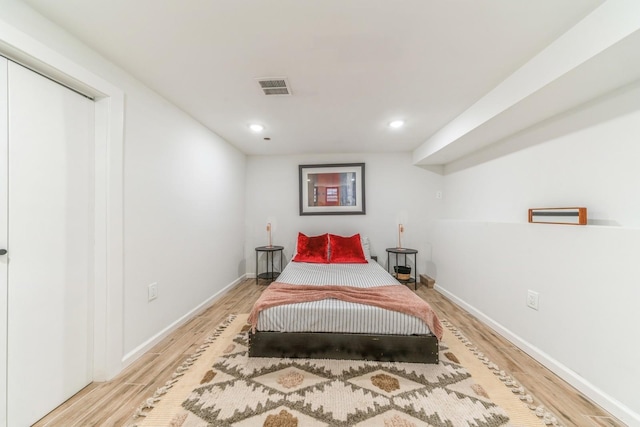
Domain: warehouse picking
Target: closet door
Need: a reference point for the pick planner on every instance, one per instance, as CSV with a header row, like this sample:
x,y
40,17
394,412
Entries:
x,y
50,244
3,239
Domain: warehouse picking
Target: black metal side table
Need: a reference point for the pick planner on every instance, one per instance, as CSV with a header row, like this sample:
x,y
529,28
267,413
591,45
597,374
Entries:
x,y
270,274
404,251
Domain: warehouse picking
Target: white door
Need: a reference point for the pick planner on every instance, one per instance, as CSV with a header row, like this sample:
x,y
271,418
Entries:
x,y
48,268
3,240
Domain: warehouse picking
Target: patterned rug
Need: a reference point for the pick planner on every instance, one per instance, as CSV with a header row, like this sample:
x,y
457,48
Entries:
x,y
221,386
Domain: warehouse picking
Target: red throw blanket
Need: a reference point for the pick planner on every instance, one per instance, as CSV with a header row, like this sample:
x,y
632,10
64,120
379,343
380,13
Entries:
x,y
394,297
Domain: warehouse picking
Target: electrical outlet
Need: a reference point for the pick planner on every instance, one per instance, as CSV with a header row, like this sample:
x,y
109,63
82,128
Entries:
x,y
439,194
532,299
152,291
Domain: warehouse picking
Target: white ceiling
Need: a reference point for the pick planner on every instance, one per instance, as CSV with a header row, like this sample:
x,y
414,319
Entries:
x,y
353,65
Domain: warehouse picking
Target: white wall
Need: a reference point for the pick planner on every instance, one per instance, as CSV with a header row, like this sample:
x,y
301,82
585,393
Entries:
x,y
183,197
488,256
395,191
184,205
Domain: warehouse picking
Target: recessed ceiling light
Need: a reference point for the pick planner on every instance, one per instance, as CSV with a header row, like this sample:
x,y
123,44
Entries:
x,y
256,127
396,124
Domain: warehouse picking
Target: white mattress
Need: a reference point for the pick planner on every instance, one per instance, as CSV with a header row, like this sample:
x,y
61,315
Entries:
x,y
333,315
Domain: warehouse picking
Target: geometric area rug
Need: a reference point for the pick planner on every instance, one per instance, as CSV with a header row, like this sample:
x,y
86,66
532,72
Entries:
x,y
221,386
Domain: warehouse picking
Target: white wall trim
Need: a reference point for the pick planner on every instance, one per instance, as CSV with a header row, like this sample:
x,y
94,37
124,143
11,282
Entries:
x,y
608,403
109,219
137,352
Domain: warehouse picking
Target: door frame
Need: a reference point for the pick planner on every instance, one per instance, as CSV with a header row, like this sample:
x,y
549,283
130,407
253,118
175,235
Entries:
x,y
109,215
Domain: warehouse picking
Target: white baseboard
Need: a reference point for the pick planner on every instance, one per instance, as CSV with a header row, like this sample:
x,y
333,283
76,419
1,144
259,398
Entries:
x,y
137,352
607,402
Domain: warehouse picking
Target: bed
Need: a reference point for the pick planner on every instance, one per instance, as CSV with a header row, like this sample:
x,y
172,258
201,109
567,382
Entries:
x,y
342,329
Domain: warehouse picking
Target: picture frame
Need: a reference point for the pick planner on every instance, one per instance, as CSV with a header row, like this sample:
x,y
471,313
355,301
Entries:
x,y
332,189
568,216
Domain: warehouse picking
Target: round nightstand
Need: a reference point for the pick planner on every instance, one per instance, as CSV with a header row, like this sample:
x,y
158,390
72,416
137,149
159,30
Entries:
x,y
405,252
270,274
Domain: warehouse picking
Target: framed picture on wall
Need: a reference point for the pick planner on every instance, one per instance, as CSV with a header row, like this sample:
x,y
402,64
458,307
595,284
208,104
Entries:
x,y
332,189
572,216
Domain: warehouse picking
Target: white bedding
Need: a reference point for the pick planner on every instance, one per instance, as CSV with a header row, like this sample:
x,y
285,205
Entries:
x,y
338,316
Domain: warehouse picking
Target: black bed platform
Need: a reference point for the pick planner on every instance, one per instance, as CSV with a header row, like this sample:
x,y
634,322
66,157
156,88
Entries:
x,y
321,345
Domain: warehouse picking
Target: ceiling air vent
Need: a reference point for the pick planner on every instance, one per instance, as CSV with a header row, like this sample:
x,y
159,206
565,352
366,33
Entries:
x,y
274,86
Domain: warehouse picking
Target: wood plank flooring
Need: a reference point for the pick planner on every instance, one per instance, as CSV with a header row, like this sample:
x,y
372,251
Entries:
x,y
112,403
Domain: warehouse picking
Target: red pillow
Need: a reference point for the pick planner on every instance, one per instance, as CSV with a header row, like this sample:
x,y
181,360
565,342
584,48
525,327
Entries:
x,y
312,249
346,249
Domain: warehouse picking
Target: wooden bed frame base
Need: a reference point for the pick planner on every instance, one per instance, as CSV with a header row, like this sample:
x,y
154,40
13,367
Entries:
x,y
321,345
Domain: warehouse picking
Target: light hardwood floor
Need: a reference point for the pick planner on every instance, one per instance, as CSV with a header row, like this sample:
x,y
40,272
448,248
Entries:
x,y
112,403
